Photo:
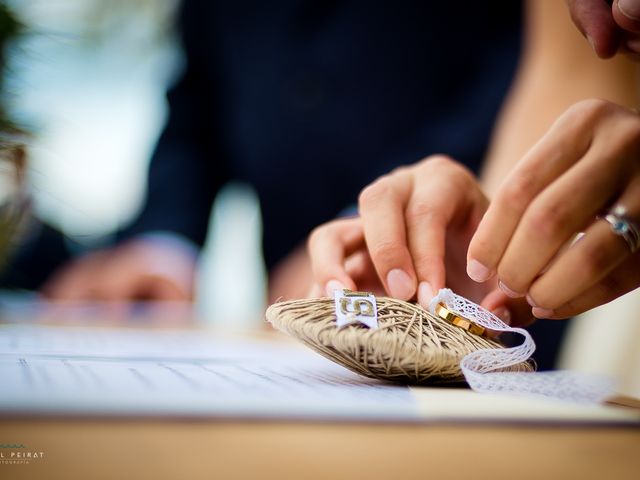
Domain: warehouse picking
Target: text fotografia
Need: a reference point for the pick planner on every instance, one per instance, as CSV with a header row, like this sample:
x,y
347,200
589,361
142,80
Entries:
x,y
18,454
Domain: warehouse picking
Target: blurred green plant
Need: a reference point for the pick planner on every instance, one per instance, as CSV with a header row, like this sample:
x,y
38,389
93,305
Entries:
x,y
13,199
10,29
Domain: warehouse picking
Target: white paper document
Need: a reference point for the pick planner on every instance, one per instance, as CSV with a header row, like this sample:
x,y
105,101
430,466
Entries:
x,y
96,342
93,371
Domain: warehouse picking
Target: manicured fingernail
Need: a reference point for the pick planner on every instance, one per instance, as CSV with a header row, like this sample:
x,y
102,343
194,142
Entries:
x,y
477,271
425,294
593,45
332,286
579,236
630,9
400,284
508,291
504,314
633,45
542,312
531,302
315,291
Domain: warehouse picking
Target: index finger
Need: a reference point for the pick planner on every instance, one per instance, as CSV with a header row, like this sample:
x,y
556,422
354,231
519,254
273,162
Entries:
x,y
557,151
382,206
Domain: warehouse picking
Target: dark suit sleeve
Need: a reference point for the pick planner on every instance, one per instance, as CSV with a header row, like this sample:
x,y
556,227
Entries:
x,y
186,170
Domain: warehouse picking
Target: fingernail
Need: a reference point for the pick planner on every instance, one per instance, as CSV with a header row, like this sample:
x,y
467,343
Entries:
x,y
477,271
508,291
332,286
315,291
425,294
633,45
579,236
400,284
531,302
504,314
630,9
593,45
542,312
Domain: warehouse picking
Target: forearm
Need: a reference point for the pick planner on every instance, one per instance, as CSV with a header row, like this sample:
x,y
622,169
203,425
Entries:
x,y
558,68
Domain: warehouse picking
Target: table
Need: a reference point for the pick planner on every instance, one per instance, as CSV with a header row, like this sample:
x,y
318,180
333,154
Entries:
x,y
97,449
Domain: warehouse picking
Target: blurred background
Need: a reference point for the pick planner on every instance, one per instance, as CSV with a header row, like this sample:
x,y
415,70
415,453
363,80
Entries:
x,y
87,79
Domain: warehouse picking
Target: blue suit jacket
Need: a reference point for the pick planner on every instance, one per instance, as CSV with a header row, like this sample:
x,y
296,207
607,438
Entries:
x,y
311,100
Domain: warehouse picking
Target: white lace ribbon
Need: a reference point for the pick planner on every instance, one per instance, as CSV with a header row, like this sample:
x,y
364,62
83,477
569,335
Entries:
x,y
484,369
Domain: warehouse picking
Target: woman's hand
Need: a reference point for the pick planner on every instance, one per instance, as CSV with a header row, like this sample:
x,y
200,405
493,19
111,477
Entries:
x,y
415,224
587,164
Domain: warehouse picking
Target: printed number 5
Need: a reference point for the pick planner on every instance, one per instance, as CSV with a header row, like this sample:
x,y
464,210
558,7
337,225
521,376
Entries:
x,y
360,306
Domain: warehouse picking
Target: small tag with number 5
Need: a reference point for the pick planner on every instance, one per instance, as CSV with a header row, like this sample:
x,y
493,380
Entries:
x,y
355,307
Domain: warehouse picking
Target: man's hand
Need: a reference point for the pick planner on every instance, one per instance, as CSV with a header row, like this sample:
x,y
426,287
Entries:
x,y
147,268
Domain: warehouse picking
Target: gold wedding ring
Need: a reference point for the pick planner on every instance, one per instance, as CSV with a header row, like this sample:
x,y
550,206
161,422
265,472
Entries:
x,y
455,319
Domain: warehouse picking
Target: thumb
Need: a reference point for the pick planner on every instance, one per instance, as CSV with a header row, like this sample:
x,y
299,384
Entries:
x,y
626,13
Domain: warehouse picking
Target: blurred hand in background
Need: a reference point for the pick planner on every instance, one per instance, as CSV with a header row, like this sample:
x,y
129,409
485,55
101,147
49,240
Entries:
x,y
151,267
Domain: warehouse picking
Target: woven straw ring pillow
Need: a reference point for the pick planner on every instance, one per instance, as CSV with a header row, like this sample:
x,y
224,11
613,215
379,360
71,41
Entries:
x,y
410,345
